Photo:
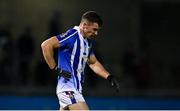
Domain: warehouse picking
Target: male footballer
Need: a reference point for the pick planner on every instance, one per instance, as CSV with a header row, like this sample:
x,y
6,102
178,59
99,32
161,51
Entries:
x,y
75,51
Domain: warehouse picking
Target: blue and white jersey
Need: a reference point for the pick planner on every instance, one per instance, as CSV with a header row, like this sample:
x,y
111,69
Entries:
x,y
73,54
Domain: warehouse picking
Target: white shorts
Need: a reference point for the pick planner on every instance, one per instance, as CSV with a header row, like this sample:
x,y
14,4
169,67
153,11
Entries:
x,y
69,97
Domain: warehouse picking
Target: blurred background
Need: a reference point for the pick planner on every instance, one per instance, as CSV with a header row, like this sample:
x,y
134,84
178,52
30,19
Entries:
x,y
138,43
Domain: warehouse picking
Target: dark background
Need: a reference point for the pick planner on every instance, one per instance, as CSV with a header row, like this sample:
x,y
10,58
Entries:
x,y
139,43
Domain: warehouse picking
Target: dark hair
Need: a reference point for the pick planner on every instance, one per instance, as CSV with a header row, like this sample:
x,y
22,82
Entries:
x,y
92,16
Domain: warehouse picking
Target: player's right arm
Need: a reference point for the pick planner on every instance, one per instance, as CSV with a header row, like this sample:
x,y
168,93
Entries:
x,y
48,47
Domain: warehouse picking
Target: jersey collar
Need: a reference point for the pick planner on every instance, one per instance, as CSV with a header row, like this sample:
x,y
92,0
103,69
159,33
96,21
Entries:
x,y
79,32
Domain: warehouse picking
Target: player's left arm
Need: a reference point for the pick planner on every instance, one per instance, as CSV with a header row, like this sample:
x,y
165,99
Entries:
x,y
97,67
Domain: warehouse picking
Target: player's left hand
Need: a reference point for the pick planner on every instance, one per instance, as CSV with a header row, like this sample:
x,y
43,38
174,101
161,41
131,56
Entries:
x,y
114,83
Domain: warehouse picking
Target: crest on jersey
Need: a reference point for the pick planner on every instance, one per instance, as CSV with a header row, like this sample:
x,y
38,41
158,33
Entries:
x,y
64,34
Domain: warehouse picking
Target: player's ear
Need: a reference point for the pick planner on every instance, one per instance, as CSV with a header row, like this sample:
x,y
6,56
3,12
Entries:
x,y
85,25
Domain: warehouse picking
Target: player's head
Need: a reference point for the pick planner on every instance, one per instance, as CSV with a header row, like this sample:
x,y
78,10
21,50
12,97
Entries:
x,y
90,24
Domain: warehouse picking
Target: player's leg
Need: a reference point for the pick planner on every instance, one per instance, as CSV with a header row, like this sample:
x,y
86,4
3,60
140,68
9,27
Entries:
x,y
78,106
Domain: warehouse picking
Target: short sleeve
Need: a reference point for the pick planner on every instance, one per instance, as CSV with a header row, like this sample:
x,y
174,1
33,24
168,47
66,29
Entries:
x,y
65,38
91,52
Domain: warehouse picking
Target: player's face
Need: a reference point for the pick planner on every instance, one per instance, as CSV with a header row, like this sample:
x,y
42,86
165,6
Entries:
x,y
91,30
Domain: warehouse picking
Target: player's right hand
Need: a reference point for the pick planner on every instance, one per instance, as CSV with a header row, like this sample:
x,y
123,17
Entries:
x,y
62,73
